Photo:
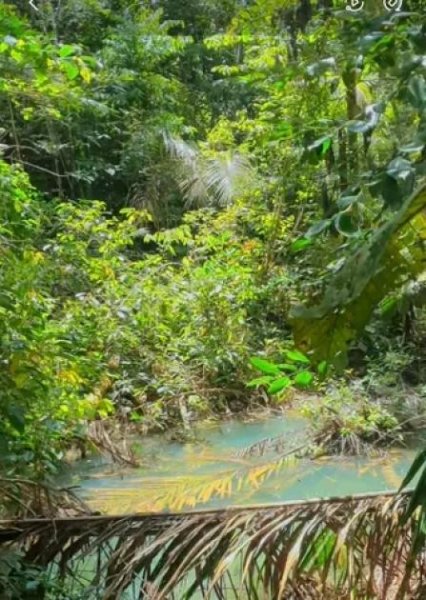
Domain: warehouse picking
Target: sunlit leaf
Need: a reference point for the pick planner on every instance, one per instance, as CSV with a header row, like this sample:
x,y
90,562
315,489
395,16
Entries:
x,y
300,244
303,379
279,384
71,69
265,366
66,50
297,356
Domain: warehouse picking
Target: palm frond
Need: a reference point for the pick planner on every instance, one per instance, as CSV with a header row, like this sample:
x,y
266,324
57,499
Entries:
x,y
206,180
354,547
24,498
226,175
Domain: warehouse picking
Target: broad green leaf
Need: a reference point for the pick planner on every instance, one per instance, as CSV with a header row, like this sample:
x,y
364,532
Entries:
x,y
71,69
287,367
400,169
322,368
279,384
303,379
322,144
416,92
345,225
415,146
345,202
326,146
297,356
388,306
318,227
66,50
301,244
265,366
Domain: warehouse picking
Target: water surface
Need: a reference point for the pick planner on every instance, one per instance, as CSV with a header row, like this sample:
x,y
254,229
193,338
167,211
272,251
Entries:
x,y
211,472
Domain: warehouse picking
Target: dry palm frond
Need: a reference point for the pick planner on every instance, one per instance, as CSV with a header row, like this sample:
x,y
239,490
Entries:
x,y
205,180
24,498
344,548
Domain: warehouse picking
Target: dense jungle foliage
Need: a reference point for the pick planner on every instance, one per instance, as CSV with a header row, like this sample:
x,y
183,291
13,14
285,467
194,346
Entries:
x,y
206,206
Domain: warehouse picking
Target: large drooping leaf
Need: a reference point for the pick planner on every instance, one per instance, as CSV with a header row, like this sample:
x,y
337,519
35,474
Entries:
x,y
392,255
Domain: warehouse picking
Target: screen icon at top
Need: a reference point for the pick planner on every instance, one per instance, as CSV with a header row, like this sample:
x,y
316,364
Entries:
x,y
392,5
354,5
389,5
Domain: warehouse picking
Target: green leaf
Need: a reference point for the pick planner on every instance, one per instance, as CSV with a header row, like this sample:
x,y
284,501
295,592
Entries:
x,y
418,498
416,146
16,418
265,380
279,384
304,379
321,66
388,306
322,144
325,146
416,92
300,244
322,368
71,70
345,201
318,227
345,225
265,366
297,356
66,50
287,367
400,169
418,462
283,130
